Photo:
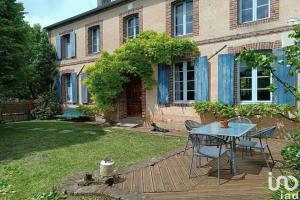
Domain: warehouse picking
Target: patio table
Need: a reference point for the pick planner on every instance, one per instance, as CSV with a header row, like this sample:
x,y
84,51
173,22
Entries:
x,y
234,131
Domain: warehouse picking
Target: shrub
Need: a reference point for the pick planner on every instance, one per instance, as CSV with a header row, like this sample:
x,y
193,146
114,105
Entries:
x,y
47,106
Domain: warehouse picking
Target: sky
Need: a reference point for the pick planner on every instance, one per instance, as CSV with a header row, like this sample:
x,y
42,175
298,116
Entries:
x,y
47,12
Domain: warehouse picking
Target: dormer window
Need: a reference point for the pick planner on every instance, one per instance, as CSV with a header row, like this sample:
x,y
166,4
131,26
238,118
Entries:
x,y
253,10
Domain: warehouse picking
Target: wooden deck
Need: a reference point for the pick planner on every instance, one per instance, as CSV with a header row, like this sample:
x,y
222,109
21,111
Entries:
x,y
168,179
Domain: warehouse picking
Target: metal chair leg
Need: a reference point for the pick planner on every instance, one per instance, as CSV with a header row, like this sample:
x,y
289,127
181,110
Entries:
x,y
191,166
218,171
187,143
265,157
271,155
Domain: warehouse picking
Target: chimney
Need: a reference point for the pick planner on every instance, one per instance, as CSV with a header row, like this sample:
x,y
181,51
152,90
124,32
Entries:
x,y
99,2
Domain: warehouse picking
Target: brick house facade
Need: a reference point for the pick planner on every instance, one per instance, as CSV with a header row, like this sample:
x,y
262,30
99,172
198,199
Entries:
x,y
216,29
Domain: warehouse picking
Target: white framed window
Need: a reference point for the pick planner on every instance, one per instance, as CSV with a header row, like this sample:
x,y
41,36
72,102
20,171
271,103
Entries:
x,y
68,87
95,34
184,82
66,46
183,18
254,86
253,10
132,27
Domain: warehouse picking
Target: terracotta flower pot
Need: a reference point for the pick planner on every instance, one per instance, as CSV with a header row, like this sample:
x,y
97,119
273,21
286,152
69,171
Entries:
x,y
224,123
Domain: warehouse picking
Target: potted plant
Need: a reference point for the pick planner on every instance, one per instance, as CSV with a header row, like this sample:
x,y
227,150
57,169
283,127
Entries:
x,y
225,112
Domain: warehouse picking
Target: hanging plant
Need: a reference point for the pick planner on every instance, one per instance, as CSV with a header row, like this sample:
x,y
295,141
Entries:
x,y
108,76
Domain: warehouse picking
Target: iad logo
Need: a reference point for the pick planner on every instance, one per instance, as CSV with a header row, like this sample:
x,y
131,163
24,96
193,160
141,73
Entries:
x,y
284,181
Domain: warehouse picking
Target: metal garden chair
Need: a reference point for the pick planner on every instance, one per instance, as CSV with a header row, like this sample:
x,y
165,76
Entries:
x,y
210,147
261,134
189,125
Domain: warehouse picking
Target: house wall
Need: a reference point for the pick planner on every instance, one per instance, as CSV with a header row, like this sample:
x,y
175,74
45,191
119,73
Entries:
x,y
216,30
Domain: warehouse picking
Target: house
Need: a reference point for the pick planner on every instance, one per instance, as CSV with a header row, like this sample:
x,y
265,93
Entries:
x,y
221,29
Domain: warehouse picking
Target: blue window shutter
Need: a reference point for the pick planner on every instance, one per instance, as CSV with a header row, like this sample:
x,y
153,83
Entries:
x,y
58,47
84,91
226,79
72,52
74,87
58,86
282,71
201,79
239,65
163,84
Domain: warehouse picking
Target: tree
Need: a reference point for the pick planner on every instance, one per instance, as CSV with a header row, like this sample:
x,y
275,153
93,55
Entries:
x,y
41,66
13,35
107,77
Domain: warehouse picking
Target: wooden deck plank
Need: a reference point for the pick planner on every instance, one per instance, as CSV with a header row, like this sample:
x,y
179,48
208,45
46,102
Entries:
x,y
138,181
166,177
147,180
157,179
178,183
169,179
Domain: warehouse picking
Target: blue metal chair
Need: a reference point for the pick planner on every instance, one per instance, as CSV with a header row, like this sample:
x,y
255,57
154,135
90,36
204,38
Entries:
x,y
189,125
210,147
245,121
261,134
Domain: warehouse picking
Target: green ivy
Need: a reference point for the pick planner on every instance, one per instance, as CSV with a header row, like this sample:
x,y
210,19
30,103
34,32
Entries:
x,y
110,73
248,110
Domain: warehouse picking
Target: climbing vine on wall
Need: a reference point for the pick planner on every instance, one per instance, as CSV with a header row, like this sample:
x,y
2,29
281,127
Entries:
x,y
107,77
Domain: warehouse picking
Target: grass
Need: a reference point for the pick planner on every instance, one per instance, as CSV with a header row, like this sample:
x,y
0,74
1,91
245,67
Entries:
x,y
34,161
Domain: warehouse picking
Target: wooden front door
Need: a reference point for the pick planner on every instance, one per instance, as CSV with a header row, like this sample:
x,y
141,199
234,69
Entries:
x,y
134,97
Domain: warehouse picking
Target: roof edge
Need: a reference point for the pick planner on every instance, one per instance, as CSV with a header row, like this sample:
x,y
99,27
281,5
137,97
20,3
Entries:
x,y
84,14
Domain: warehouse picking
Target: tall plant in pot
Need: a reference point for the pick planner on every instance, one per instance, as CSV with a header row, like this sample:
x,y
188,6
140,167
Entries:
x,y
225,112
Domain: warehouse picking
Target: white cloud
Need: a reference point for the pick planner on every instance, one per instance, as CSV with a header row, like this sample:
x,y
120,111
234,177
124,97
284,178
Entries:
x,y
43,21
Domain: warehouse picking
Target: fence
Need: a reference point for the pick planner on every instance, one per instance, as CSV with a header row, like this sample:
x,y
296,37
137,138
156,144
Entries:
x,y
12,111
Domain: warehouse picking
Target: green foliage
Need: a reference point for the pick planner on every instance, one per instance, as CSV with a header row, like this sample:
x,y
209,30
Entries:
x,y
247,110
53,195
291,157
87,110
47,106
136,57
265,61
13,43
27,57
41,68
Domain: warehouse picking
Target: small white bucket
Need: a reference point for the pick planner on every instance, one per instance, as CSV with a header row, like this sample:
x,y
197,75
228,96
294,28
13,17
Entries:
x,y
106,168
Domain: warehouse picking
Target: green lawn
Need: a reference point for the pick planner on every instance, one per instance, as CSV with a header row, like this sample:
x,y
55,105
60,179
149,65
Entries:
x,y
34,161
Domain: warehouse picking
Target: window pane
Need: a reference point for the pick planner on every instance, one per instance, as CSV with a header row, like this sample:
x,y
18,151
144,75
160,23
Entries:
x,y
263,95
190,75
179,20
246,95
179,30
178,95
247,4
189,6
245,72
190,66
263,12
179,9
190,95
262,2
246,83
190,85
189,17
263,82
247,15
189,28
